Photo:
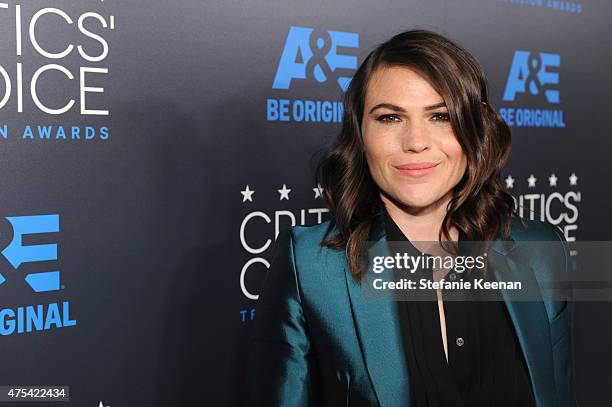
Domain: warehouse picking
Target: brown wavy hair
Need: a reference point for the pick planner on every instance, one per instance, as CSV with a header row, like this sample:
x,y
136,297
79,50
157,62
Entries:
x,y
481,207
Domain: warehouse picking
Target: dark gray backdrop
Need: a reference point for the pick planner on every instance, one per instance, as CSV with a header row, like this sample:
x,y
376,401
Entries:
x,y
149,246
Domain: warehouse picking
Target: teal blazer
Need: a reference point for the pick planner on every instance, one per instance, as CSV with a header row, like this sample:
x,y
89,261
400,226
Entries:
x,y
316,341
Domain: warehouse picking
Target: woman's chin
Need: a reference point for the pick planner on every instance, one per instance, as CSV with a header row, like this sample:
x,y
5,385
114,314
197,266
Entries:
x,y
416,203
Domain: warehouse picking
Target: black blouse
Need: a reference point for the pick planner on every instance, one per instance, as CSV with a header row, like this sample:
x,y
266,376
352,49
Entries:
x,y
485,362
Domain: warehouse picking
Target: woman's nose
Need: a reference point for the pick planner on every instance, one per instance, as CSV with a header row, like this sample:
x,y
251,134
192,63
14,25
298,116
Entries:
x,y
415,138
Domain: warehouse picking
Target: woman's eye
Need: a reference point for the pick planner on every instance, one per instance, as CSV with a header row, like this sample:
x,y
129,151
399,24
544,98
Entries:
x,y
443,117
388,118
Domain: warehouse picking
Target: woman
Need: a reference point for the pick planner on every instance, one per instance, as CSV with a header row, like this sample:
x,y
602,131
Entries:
x,y
419,158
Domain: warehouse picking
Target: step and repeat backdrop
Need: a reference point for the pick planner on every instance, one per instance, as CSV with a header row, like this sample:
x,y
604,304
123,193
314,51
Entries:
x,y
151,151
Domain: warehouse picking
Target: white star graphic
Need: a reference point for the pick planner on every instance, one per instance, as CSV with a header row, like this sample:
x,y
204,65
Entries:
x,y
553,180
247,194
284,193
509,181
531,180
573,179
318,191
102,405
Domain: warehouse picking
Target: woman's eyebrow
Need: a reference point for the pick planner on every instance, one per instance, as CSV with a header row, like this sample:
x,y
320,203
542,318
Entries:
x,y
397,108
389,106
437,105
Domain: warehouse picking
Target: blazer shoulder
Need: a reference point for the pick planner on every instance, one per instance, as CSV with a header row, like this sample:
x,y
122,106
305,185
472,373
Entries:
x,y
537,238
311,258
535,230
543,246
310,236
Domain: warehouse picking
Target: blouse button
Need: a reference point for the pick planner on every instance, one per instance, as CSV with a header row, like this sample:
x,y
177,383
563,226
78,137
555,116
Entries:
x,y
459,341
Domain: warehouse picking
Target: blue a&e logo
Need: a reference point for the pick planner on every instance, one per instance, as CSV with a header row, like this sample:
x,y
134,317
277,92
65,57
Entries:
x,y
533,72
313,55
33,317
533,78
16,253
317,54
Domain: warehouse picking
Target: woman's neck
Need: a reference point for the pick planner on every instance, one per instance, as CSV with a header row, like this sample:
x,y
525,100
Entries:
x,y
420,224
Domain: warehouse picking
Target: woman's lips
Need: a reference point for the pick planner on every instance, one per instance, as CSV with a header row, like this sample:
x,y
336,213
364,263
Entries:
x,y
416,169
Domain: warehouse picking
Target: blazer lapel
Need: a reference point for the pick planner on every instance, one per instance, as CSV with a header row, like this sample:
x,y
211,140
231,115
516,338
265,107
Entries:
x,y
377,325
378,330
530,322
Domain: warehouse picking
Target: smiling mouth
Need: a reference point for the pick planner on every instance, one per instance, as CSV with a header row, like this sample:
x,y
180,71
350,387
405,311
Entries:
x,y
417,169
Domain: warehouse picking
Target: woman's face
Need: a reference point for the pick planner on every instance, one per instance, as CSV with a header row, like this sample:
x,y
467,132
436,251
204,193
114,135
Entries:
x,y
405,128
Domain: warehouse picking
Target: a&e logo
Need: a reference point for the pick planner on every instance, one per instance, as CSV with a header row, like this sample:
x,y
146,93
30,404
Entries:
x,y
533,72
35,317
313,56
533,78
16,253
316,53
